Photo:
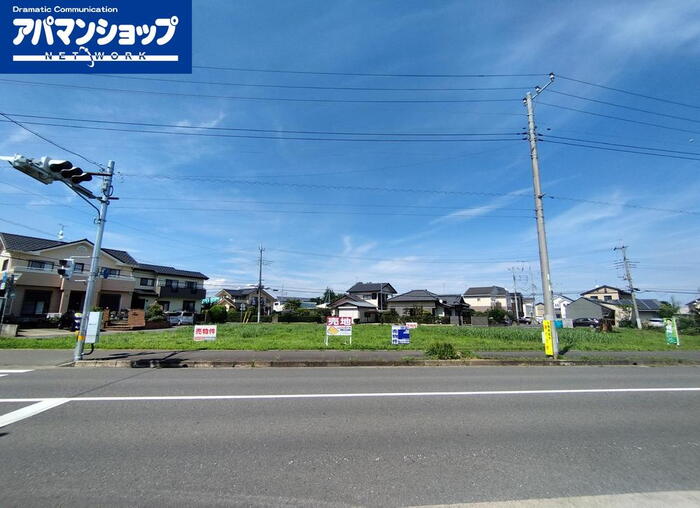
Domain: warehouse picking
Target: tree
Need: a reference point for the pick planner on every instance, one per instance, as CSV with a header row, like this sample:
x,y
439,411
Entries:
x,y
328,296
497,314
155,313
668,309
292,304
217,314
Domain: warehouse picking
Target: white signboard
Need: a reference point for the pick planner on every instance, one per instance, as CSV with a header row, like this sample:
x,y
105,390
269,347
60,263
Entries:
x,y
338,326
204,332
92,334
411,326
400,335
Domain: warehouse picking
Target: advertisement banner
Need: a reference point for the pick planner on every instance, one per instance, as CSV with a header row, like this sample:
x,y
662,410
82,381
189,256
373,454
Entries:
x,y
77,36
672,337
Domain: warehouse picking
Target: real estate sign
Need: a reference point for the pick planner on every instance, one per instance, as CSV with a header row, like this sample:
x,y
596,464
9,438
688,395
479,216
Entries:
x,y
204,332
338,326
411,326
400,335
547,337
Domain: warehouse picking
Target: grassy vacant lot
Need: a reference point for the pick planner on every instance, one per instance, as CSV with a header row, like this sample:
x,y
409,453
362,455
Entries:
x,y
310,336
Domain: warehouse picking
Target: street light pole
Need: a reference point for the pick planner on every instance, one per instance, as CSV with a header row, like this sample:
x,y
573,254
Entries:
x,y
539,215
95,261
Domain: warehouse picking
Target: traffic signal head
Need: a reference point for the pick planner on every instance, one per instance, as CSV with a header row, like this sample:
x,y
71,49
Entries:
x,y
64,170
65,268
75,175
54,165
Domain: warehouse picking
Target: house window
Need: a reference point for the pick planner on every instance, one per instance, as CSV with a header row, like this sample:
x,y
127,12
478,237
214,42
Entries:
x,y
4,264
165,305
607,298
40,265
79,267
147,282
188,305
171,283
594,297
374,296
111,272
190,284
35,303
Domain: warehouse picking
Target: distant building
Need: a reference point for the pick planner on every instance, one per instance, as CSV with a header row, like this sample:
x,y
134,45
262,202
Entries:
x,y
376,293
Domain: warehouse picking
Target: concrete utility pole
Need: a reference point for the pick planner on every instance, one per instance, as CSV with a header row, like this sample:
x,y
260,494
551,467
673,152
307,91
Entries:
x,y
630,284
539,214
260,284
107,191
533,291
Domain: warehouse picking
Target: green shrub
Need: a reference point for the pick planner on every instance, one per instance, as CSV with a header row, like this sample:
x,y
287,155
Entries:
x,y
217,314
233,315
155,313
442,351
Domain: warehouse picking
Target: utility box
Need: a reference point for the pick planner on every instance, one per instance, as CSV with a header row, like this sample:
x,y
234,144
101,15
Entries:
x,y
92,335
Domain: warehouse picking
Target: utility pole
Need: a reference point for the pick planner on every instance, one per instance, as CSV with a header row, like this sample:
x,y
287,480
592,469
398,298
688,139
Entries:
x,y
630,284
515,295
539,215
104,199
260,284
533,293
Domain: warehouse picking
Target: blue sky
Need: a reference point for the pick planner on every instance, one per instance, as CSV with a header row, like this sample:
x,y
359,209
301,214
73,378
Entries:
x,y
318,207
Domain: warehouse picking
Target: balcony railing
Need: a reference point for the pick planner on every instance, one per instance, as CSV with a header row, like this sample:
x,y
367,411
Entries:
x,y
195,293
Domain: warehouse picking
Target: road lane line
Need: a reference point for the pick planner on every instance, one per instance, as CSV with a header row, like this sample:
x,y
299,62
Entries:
x,y
3,375
32,410
582,391
14,371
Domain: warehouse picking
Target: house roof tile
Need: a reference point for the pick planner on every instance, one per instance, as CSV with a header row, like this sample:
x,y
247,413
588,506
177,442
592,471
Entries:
x,y
374,287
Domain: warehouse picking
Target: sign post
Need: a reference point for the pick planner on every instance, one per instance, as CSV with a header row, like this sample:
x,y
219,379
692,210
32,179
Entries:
x,y
92,333
339,326
672,337
204,332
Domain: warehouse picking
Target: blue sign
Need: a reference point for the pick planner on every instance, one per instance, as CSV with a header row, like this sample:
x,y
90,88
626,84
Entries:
x,y
400,335
73,36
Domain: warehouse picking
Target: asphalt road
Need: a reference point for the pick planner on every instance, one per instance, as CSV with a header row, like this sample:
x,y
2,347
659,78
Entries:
x,y
347,436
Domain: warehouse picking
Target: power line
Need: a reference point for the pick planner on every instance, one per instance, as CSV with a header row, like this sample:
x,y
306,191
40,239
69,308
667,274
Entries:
x,y
620,150
626,205
612,117
675,117
248,136
278,131
365,74
26,227
51,142
617,144
636,94
306,212
317,87
249,98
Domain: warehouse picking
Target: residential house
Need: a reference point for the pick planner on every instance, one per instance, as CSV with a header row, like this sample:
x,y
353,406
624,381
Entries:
x,y
589,308
281,301
376,293
618,309
356,308
484,298
242,298
620,301
691,306
39,290
560,302
606,293
172,288
440,306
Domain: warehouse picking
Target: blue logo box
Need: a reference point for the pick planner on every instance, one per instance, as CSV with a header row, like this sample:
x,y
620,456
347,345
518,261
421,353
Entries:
x,y
79,36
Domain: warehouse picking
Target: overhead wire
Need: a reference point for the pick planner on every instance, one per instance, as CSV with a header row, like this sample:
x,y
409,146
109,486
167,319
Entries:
x,y
610,149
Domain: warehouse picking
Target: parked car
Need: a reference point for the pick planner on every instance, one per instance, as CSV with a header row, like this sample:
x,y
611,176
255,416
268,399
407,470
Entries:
x,y
656,323
180,317
585,321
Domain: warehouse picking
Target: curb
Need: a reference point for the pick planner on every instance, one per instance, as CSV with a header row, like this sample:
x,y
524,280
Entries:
x,y
195,364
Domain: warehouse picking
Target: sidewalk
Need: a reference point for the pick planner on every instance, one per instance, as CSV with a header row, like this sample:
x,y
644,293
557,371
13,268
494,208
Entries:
x,y
329,358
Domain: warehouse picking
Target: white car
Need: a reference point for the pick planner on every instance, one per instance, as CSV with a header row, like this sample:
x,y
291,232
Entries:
x,y
180,318
656,323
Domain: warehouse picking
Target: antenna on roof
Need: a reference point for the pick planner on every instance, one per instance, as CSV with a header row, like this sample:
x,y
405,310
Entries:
x,y
60,232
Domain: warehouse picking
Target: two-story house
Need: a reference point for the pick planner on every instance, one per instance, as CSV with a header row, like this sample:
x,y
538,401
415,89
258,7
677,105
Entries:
x,y
616,300
39,290
172,288
422,300
484,298
242,298
363,301
376,293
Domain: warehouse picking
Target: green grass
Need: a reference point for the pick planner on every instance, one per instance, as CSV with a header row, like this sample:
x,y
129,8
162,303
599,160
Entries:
x,y
310,336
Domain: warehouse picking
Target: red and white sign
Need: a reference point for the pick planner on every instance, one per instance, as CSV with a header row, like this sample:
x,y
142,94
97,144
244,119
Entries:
x,y
204,332
411,326
338,321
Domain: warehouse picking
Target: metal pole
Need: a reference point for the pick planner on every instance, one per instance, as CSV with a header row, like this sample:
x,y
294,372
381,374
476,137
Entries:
x,y
260,280
95,261
628,278
541,233
515,295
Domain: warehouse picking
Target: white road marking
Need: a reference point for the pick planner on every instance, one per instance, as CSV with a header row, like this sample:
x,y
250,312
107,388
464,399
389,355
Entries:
x,y
132,398
3,375
14,371
28,411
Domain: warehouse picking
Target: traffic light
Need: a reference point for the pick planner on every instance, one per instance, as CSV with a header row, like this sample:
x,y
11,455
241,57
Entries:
x,y
64,170
65,268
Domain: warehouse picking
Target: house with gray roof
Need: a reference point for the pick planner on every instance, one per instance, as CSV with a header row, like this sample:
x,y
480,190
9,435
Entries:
x,y
484,298
418,301
244,298
356,308
377,293
124,283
